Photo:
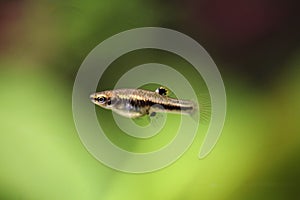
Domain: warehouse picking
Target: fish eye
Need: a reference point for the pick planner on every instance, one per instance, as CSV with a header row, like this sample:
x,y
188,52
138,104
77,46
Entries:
x,y
101,99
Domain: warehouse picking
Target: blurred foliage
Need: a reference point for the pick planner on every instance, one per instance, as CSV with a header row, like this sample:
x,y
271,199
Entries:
x,y
41,156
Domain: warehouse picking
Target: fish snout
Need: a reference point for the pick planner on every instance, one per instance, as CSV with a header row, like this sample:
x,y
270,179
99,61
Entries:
x,y
93,97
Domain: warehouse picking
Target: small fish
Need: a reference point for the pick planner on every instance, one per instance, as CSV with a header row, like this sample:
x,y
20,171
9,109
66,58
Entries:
x,y
134,103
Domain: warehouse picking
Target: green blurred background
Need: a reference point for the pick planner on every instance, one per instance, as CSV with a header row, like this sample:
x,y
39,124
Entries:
x,y
254,43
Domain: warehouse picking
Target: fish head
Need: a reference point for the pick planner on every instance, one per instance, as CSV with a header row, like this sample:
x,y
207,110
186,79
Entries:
x,y
104,99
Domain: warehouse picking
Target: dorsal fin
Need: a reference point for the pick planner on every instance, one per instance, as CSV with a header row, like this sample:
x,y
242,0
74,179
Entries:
x,y
162,91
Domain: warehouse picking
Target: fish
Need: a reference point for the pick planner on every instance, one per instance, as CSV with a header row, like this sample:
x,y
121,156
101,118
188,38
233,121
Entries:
x,y
135,103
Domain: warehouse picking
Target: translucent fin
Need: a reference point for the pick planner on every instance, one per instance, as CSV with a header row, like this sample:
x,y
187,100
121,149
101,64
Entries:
x,y
163,91
204,108
152,114
142,121
158,119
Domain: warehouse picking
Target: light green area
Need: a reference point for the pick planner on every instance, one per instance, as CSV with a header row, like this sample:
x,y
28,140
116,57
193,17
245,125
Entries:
x,y
41,156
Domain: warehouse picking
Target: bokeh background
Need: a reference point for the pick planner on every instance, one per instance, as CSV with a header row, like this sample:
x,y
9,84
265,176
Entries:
x,y
255,45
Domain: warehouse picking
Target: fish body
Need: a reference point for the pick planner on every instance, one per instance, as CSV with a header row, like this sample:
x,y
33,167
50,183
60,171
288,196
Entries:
x,y
134,103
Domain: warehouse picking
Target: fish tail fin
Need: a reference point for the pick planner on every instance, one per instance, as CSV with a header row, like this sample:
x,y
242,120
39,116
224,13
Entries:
x,y
203,107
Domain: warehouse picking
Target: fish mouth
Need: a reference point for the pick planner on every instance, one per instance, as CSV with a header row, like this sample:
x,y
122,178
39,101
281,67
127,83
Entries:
x,y
93,97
